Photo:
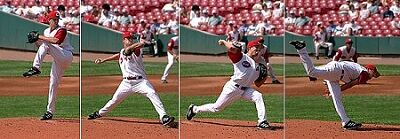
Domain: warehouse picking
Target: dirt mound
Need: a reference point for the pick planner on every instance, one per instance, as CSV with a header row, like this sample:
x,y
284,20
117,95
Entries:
x,y
127,128
18,128
233,129
313,129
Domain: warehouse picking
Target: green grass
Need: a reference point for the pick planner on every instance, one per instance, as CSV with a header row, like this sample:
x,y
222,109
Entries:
x,y
365,109
112,68
239,110
297,70
17,68
136,105
35,106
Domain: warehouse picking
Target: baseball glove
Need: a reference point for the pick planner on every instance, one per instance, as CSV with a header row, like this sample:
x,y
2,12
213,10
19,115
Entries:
x,y
263,72
33,36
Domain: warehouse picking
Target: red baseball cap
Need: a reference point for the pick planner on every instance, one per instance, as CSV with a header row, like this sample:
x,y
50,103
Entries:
x,y
53,15
370,67
253,43
348,40
126,35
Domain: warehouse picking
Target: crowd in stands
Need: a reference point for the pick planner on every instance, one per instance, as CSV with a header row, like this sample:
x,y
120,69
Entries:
x,y
344,17
37,10
234,18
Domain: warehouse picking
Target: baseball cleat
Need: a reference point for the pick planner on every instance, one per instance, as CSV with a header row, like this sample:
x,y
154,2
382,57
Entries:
x,y
352,125
263,125
164,81
316,57
190,114
94,115
47,116
312,78
167,120
276,82
298,44
31,72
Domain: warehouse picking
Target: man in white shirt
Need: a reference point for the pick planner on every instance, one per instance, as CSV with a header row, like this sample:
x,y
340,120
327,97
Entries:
x,y
345,8
37,9
251,31
291,19
264,28
8,8
195,21
351,29
395,8
106,18
125,19
84,8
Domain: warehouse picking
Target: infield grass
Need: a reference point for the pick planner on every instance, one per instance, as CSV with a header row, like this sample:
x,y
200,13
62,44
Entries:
x,y
365,109
17,68
35,106
238,110
135,105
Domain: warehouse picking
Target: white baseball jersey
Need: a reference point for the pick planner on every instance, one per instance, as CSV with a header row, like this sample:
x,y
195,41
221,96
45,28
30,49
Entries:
x,y
233,36
245,72
343,54
320,36
64,44
132,65
175,41
351,70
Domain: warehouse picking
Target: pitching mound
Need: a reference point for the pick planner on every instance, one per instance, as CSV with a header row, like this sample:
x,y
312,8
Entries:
x,y
218,129
127,128
312,129
19,128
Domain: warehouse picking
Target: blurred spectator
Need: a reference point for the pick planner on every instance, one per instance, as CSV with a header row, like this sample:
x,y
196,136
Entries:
x,y
266,12
229,28
8,8
84,8
291,19
252,29
22,10
125,19
164,28
320,40
204,17
75,19
344,8
372,6
364,12
215,19
194,11
106,17
351,29
339,31
277,12
142,26
244,27
174,25
195,21
155,26
149,41
234,35
395,8
170,7
330,29
302,20
37,9
257,7
388,13
64,20
264,28
396,24
354,13
355,4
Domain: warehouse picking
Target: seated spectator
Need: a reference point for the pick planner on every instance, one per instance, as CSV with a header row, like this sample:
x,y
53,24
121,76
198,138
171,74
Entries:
x,y
302,20
330,29
266,12
233,35
339,31
388,13
321,40
215,19
396,24
244,27
290,20
84,8
204,17
351,29
364,12
257,7
194,11
22,10
64,20
7,8
277,12
125,19
195,21
142,26
155,26
174,25
355,4
354,13
372,6
344,8
75,18
229,28
170,7
395,8
264,28
251,31
164,28
36,9
106,17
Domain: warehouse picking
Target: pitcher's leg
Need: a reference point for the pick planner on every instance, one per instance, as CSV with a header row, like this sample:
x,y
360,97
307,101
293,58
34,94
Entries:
x,y
334,89
256,97
40,55
56,74
147,90
118,97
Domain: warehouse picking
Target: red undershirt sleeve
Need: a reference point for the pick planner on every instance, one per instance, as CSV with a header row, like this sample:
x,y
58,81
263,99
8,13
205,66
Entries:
x,y
363,78
60,35
235,57
338,55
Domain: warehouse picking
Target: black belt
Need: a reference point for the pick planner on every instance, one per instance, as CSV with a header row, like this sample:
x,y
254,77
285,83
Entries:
x,y
134,78
240,87
341,77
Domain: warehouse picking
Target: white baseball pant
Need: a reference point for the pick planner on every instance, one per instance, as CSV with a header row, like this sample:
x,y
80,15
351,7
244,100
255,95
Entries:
x,y
128,87
62,60
231,93
331,73
323,44
171,61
